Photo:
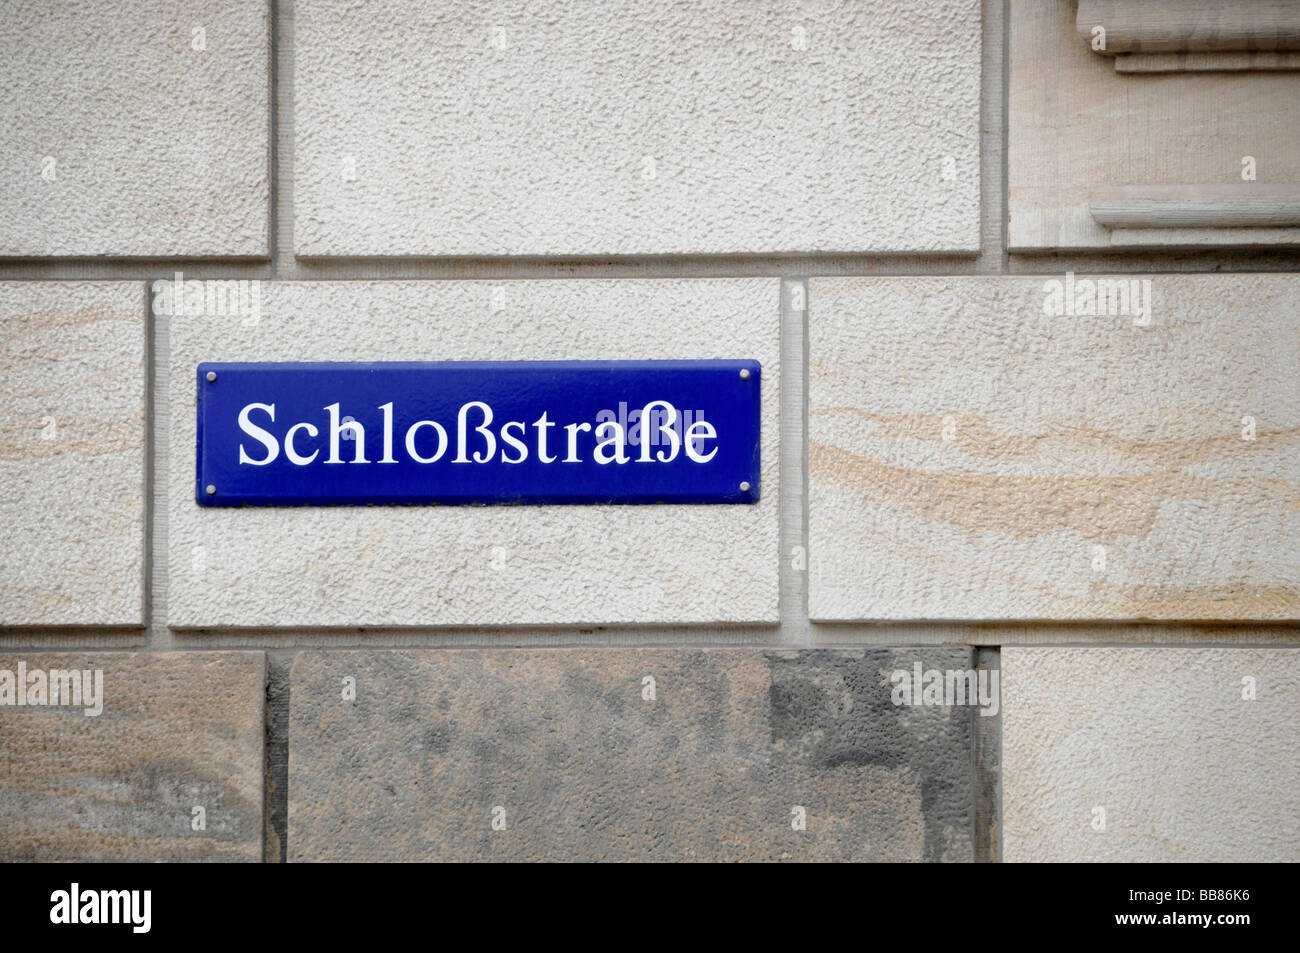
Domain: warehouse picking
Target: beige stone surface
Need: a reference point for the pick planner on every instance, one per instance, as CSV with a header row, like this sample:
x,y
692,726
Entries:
x,y
1077,127
1143,754
176,731
72,453
135,128
1096,468
455,565
600,127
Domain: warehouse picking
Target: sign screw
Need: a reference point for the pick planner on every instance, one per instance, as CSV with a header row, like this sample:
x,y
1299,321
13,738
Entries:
x,y
212,490
212,376
744,373
744,487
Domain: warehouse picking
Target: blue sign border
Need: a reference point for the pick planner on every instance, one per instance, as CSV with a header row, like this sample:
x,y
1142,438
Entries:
x,y
730,389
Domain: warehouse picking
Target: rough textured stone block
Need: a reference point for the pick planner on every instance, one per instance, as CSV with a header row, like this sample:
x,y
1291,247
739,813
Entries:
x,y
135,128
72,458
567,752
455,565
605,127
1136,754
973,457
177,731
1078,128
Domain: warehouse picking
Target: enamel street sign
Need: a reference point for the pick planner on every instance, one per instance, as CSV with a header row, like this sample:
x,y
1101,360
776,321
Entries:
x,y
324,434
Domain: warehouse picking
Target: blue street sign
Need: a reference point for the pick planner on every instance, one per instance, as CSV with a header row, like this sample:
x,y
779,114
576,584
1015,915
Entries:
x,y
326,434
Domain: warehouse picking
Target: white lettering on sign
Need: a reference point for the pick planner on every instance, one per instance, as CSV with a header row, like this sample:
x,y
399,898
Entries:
x,y
476,437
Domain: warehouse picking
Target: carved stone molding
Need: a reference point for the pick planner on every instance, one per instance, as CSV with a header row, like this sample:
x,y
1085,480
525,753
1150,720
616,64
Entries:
x,y
1154,36
1211,205
1100,158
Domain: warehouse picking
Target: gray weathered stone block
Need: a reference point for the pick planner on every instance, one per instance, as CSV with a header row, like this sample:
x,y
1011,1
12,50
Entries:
x,y
177,731
135,128
72,453
456,565
565,746
600,128
1137,754
973,457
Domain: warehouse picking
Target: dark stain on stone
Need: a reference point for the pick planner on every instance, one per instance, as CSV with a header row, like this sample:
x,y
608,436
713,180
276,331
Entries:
x,y
832,708
437,740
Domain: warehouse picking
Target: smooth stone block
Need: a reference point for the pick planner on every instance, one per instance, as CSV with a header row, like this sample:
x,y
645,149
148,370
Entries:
x,y
1151,755
72,453
1077,129
973,457
624,754
176,732
625,128
135,128
458,565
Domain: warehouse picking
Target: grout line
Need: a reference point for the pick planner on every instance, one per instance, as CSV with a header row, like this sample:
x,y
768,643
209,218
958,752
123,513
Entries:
x,y
1004,225
282,148
275,797
991,129
803,461
283,267
1226,262
434,641
273,134
986,768
792,434
988,759
158,636
150,431
275,780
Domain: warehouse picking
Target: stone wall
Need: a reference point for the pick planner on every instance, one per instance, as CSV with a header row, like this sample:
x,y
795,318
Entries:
x,y
1024,579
